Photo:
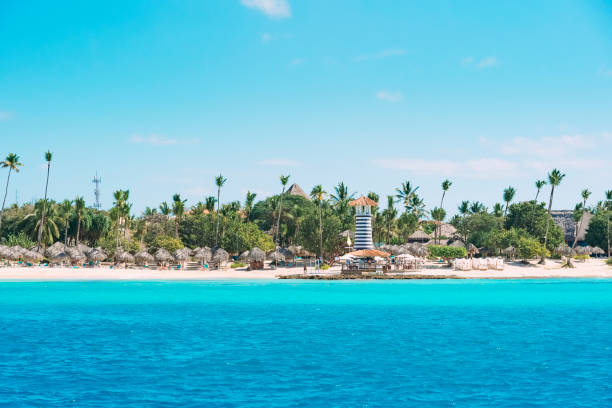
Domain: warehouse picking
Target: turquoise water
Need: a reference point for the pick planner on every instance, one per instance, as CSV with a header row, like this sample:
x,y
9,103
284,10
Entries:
x,y
506,343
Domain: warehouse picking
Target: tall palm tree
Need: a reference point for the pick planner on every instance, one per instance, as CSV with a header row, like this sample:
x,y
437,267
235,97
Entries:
x,y
165,210
65,212
178,209
48,157
146,215
284,180
389,214
79,209
121,209
446,184
555,178
608,206
585,194
438,214
464,208
406,193
210,204
498,210
219,181
249,202
539,184
477,207
12,162
50,232
508,196
318,194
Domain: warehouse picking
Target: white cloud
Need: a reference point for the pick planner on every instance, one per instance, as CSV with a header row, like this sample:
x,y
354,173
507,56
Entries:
x,y
271,8
157,140
487,62
483,168
547,146
4,116
266,37
394,52
389,96
279,162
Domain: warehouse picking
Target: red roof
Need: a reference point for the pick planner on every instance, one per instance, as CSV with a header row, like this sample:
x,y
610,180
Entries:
x,y
369,253
364,201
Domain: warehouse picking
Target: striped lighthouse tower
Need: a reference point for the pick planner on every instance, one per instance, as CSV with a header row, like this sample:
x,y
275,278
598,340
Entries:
x,y
363,222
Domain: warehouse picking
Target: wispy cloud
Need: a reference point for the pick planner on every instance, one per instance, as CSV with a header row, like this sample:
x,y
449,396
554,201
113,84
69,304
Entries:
x,y
4,116
389,96
279,162
271,8
394,52
484,62
157,140
483,167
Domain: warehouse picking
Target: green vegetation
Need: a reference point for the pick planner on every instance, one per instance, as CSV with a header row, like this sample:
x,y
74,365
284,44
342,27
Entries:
x,y
238,265
324,267
609,261
447,253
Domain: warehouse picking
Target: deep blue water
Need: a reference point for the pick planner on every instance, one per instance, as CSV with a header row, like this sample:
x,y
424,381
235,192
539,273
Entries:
x,y
507,343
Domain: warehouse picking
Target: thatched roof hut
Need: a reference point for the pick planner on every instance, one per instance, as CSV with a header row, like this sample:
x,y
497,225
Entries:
x,y
277,256
297,190
96,255
181,255
510,251
4,251
244,256
124,256
369,253
472,250
14,253
257,255
32,256
457,244
419,236
83,248
143,258
56,247
220,256
163,256
204,254
565,219
597,251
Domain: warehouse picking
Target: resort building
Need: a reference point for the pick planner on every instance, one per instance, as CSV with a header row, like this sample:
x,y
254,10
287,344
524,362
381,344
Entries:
x,y
565,219
297,190
363,222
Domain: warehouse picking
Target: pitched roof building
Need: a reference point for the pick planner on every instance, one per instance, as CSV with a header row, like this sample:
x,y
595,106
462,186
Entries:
x,y
297,190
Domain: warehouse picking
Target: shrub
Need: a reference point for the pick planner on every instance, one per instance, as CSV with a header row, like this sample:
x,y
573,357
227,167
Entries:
x,y
446,252
238,265
324,267
581,257
528,248
168,243
20,239
609,261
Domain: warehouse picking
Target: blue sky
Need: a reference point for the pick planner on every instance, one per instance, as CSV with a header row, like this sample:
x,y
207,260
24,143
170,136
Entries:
x,y
159,97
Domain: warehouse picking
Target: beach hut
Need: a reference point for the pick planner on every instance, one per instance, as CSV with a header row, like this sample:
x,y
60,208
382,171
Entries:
x,y
220,257
472,250
76,256
182,255
597,251
32,256
163,257
256,258
419,236
510,252
96,255
143,258
124,257
84,249
276,257
203,255
244,256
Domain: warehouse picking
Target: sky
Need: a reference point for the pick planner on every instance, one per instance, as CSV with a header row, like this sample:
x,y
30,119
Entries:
x,y
160,97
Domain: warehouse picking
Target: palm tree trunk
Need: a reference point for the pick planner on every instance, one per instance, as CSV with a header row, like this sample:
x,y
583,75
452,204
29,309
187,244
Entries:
x,y
578,228
44,213
66,233
442,201
552,192
218,203
320,231
176,223
608,235
78,228
8,179
280,209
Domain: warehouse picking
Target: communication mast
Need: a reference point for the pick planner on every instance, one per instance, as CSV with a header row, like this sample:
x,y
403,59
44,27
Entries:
x,y
97,180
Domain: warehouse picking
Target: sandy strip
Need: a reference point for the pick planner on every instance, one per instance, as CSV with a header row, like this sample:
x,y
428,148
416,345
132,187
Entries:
x,y
589,269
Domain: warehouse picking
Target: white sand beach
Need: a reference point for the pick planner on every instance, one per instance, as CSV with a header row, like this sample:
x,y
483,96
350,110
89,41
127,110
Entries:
x,y
595,268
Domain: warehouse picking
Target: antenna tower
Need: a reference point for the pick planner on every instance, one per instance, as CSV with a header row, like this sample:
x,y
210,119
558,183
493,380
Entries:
x,y
97,180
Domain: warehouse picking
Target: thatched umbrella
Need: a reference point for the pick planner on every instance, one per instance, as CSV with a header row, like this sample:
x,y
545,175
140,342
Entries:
x,y
582,250
32,256
510,251
83,248
20,250
96,255
162,255
4,251
75,255
256,254
563,249
124,256
597,251
59,257
14,254
182,255
471,248
288,254
220,256
143,258
244,256
57,247
204,254
277,256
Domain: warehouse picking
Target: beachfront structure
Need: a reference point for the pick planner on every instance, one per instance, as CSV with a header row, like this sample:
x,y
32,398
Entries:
x,y
363,222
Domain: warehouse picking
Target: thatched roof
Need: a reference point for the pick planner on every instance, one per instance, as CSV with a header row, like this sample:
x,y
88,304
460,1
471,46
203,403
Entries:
x,y
565,219
364,202
96,254
256,254
447,230
83,248
162,255
124,256
57,247
597,251
286,252
182,254
32,256
471,248
369,253
419,235
4,251
347,233
143,257
220,256
204,254
244,256
297,190
277,256
75,254
510,250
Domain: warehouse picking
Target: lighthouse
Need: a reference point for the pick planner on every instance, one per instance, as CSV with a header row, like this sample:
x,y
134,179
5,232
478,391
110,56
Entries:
x,y
363,222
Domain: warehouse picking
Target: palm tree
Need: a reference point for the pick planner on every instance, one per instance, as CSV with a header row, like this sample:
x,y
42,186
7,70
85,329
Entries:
x,y
438,215
146,215
79,208
210,204
65,211
498,210
389,214
555,178
219,181
508,196
405,193
12,162
318,194
608,206
121,209
165,210
249,202
50,231
48,156
585,194
464,208
178,209
539,184
284,180
446,184
477,207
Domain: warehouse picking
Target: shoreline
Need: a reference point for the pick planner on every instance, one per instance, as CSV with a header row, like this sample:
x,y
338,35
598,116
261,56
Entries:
x,y
592,269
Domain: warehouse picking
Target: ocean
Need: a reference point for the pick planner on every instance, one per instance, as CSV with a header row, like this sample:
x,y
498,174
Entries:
x,y
430,343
